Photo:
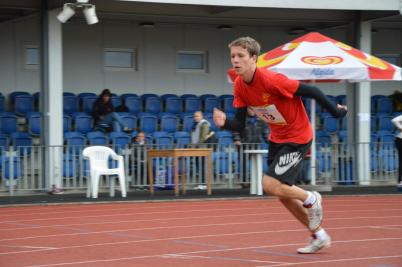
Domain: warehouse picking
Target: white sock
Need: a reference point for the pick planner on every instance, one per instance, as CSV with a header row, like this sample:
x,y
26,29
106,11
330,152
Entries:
x,y
311,198
321,234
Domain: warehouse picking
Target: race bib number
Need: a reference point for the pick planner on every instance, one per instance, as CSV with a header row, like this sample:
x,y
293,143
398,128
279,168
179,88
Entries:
x,y
269,114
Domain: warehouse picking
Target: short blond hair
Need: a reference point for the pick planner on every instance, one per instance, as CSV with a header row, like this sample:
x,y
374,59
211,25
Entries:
x,y
248,43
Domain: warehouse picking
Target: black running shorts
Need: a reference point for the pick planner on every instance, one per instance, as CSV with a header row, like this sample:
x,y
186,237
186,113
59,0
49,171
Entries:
x,y
284,161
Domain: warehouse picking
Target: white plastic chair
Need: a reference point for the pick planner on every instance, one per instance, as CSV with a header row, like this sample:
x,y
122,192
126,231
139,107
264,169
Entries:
x,y
98,165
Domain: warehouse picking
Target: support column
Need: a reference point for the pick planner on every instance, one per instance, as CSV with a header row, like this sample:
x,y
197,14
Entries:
x,y
362,113
52,97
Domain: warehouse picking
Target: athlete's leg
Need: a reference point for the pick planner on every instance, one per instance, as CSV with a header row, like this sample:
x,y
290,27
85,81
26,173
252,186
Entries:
x,y
295,207
274,187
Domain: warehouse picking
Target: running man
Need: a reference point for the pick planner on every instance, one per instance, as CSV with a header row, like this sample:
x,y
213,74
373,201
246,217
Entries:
x,y
276,99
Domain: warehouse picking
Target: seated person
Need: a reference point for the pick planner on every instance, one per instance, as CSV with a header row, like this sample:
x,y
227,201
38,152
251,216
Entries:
x,y
105,116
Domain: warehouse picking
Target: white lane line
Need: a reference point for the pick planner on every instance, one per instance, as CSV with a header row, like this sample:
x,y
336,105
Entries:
x,y
143,210
88,232
186,237
172,212
209,251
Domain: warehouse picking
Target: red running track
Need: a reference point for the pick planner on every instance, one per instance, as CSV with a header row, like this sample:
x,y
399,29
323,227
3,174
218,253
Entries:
x,y
366,231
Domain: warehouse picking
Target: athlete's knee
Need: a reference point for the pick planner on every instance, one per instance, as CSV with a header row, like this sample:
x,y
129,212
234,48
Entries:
x,y
270,185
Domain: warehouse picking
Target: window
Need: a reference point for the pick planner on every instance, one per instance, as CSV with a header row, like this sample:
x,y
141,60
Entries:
x,y
120,59
191,61
391,58
31,57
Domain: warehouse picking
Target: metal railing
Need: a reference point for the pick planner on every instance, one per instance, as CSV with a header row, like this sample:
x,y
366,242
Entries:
x,y
21,168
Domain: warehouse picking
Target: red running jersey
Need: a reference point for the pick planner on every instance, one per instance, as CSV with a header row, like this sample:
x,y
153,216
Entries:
x,y
271,96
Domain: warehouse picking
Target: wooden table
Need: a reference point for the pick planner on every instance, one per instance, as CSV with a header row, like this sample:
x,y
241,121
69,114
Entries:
x,y
176,153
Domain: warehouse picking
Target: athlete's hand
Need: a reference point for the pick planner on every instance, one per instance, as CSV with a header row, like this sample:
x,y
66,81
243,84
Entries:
x,y
219,117
342,110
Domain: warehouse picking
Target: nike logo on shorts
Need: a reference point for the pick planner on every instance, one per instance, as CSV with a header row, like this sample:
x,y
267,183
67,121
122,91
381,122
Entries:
x,y
287,161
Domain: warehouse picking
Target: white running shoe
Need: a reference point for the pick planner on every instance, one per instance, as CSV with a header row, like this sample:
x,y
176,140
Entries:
x,y
315,213
315,245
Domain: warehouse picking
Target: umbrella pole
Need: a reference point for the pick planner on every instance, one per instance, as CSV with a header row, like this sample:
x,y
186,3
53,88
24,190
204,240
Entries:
x,y
313,145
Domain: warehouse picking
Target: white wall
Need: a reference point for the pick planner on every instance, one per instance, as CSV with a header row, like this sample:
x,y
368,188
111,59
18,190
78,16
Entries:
x,y
83,63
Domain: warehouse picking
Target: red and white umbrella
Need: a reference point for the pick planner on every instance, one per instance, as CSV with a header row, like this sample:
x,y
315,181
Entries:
x,y
316,57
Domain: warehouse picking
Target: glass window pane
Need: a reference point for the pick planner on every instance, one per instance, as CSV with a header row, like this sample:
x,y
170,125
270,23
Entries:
x,y
31,56
190,61
119,59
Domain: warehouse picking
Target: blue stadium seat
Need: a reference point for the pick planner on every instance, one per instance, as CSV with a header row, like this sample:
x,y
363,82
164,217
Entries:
x,y
205,96
98,140
119,140
34,123
130,121
13,95
22,141
75,142
94,134
188,122
148,123
373,123
323,138
330,124
163,139
384,106
8,123
134,104
5,165
166,96
88,103
169,123
3,143
83,123
192,104
173,105
344,123
153,105
23,104
126,95
210,103
70,165
116,101
389,161
384,123
81,97
225,138
185,96
70,104
374,99
68,94
227,104
144,98
182,139
66,123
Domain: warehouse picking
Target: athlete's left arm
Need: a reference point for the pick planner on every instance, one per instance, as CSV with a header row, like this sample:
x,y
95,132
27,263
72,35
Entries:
x,y
314,92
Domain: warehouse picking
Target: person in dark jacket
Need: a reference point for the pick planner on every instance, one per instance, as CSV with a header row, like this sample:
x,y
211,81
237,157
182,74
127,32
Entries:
x,y
103,112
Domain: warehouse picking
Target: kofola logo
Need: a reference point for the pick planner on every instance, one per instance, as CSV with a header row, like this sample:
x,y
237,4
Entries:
x,y
327,60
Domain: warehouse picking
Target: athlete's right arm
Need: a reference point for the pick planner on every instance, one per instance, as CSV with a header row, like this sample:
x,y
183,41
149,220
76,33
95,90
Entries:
x,y
239,122
313,92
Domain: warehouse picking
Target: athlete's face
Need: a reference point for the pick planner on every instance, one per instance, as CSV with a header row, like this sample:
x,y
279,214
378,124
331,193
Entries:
x,y
242,61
